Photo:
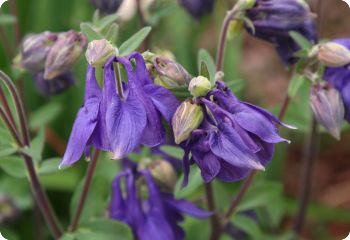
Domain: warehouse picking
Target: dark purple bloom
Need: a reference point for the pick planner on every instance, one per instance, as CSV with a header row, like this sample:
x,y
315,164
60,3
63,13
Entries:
x,y
274,19
198,8
55,85
135,118
155,217
339,77
233,139
107,6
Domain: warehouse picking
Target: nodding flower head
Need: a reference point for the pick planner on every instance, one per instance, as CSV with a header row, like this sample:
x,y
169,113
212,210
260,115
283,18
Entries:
x,y
339,77
153,215
198,8
234,138
274,19
48,87
107,6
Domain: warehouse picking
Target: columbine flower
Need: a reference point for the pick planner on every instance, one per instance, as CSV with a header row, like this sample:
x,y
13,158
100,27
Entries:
x,y
55,85
274,19
107,6
155,217
198,8
339,77
135,117
233,139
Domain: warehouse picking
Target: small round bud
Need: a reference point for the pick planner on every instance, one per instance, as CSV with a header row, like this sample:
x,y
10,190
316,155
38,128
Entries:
x,y
98,52
169,73
328,108
163,173
333,54
187,117
199,86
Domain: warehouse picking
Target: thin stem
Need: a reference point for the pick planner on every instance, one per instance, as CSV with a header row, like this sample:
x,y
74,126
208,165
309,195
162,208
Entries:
x,y
13,6
118,79
215,220
222,40
7,109
87,183
309,156
4,116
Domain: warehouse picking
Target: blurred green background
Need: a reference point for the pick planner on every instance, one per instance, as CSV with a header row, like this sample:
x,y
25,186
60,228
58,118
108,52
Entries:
x,y
256,75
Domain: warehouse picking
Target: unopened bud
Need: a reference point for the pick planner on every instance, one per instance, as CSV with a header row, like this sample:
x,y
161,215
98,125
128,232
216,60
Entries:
x,y
170,73
34,50
333,54
328,108
199,86
187,117
98,52
64,53
163,173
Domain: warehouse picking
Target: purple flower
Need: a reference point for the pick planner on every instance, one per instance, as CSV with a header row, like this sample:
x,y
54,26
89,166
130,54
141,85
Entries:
x,y
53,86
233,139
198,8
274,19
118,123
339,77
155,217
107,6
135,118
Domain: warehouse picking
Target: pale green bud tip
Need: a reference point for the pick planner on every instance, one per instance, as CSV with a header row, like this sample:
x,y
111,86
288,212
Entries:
x,y
199,86
98,52
188,117
333,54
163,173
245,4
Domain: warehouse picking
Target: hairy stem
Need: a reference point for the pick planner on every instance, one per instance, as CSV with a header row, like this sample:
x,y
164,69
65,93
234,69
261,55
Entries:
x,y
87,183
309,156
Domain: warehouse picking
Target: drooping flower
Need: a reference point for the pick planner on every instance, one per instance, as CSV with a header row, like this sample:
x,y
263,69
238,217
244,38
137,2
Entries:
x,y
198,8
274,19
134,118
234,138
155,217
328,108
339,77
53,86
107,6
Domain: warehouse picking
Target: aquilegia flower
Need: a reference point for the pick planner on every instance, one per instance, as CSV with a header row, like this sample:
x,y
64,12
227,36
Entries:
x,y
134,117
233,139
274,19
154,217
339,77
198,8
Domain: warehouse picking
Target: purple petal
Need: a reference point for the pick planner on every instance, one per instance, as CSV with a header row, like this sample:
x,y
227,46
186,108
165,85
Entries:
x,y
227,144
118,206
91,87
186,165
83,128
208,163
230,173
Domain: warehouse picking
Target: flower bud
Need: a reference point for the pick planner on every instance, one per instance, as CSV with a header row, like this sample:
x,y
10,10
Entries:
x,y
64,53
187,117
34,50
242,5
8,210
98,52
199,86
55,85
333,54
328,108
163,173
107,6
170,73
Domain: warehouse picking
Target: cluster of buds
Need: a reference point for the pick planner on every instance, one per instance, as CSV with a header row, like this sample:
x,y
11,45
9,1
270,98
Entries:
x,y
50,57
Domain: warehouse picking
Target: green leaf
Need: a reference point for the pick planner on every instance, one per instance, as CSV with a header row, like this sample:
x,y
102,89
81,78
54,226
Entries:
x,y
303,43
37,146
105,229
89,32
172,151
181,92
6,19
112,33
248,225
13,166
134,41
49,166
195,181
205,57
44,115
296,82
204,70
18,189
106,21
68,236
